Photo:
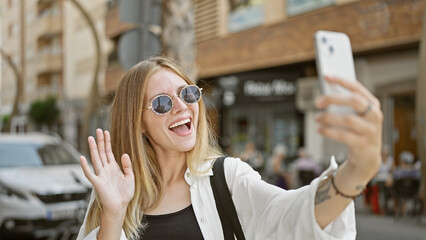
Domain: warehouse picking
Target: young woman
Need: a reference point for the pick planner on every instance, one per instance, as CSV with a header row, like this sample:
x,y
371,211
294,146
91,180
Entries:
x,y
151,174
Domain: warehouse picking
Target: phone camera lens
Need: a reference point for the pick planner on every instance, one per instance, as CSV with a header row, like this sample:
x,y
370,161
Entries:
x,y
331,49
324,40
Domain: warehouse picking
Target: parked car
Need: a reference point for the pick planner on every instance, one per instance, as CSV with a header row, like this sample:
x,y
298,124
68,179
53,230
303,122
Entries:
x,y
43,190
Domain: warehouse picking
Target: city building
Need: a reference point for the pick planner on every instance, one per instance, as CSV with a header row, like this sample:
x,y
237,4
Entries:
x,y
114,29
54,49
257,58
79,68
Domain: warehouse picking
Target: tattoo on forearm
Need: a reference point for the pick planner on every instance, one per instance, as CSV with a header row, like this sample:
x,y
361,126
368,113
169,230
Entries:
x,y
323,192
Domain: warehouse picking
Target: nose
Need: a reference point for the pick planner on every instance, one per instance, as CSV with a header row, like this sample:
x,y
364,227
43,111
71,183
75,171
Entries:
x,y
178,105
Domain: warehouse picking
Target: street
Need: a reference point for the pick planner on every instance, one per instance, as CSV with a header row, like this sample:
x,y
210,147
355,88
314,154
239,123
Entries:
x,y
375,227
379,227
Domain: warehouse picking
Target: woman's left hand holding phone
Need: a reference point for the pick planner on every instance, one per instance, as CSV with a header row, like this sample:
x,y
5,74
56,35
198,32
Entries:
x,y
114,187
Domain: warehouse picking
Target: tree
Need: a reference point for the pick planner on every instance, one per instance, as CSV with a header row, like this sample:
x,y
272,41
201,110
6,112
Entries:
x,y
44,112
178,34
19,85
94,97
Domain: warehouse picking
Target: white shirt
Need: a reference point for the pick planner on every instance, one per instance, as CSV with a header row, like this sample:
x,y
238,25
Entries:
x,y
265,211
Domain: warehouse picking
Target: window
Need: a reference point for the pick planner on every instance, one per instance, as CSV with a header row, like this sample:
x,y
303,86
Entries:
x,y
29,154
295,7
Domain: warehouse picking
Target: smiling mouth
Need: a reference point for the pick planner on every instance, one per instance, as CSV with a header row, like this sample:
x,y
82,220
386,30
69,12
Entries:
x,y
182,127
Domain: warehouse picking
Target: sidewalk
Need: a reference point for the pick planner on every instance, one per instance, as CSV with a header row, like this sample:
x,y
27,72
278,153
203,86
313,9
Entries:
x,y
379,227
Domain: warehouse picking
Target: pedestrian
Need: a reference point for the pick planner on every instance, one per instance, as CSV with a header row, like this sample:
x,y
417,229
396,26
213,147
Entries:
x,y
151,174
252,156
304,168
275,170
406,167
381,183
406,182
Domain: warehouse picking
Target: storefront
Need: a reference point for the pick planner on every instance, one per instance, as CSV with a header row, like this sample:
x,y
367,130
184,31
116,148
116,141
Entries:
x,y
392,77
384,36
259,106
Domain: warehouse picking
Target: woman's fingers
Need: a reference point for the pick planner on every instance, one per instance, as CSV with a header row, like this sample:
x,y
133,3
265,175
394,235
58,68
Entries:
x,y
342,135
350,122
354,86
86,169
127,165
356,101
108,148
101,146
96,161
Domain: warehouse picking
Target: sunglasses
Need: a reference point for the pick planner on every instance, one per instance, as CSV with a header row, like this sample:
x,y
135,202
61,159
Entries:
x,y
162,104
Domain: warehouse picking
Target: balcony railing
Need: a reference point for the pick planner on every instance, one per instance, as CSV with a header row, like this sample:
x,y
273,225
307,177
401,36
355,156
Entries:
x,y
48,91
49,25
50,61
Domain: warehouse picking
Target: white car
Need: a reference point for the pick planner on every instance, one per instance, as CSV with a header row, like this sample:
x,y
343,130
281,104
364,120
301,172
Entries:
x,y
43,190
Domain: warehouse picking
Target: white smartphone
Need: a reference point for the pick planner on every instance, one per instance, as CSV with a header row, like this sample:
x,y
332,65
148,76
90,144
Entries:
x,y
334,58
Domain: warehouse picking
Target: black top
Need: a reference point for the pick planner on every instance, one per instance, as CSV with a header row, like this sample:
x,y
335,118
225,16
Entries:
x,y
178,225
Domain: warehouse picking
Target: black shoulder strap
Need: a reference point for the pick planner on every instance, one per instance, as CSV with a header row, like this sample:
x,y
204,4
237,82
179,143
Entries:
x,y
224,204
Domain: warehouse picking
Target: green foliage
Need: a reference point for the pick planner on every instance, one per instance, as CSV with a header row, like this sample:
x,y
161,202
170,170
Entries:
x,y
44,112
5,119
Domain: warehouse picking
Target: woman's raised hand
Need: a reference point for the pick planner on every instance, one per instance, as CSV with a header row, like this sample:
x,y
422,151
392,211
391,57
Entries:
x,y
361,132
115,187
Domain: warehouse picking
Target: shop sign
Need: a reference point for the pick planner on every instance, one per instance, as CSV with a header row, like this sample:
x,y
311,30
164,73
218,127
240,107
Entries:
x,y
278,87
261,86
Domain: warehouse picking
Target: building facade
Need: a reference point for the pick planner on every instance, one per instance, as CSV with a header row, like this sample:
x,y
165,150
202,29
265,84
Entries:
x,y
51,44
246,48
114,29
79,68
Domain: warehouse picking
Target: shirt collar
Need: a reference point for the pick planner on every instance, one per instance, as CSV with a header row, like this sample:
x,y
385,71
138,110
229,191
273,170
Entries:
x,y
204,169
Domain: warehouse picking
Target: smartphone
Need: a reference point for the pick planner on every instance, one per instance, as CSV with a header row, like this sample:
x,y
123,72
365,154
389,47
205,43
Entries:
x,y
333,54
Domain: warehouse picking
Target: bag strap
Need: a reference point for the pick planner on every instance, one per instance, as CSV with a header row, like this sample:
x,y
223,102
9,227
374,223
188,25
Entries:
x,y
224,204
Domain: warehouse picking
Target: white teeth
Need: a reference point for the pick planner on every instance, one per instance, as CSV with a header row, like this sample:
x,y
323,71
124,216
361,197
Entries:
x,y
179,123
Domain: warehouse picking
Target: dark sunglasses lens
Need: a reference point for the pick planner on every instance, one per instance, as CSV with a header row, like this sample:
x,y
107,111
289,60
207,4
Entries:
x,y
162,104
191,94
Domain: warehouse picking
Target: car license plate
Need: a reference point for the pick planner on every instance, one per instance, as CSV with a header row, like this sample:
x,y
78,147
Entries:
x,y
59,214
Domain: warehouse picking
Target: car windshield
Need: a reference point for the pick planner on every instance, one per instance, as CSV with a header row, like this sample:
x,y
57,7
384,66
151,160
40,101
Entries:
x,y
24,155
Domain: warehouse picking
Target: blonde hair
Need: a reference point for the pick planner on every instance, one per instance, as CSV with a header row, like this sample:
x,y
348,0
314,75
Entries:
x,y
127,137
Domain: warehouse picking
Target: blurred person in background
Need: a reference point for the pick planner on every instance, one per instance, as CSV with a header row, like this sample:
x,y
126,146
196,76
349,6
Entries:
x,y
410,190
252,156
276,170
304,169
406,168
151,175
383,181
